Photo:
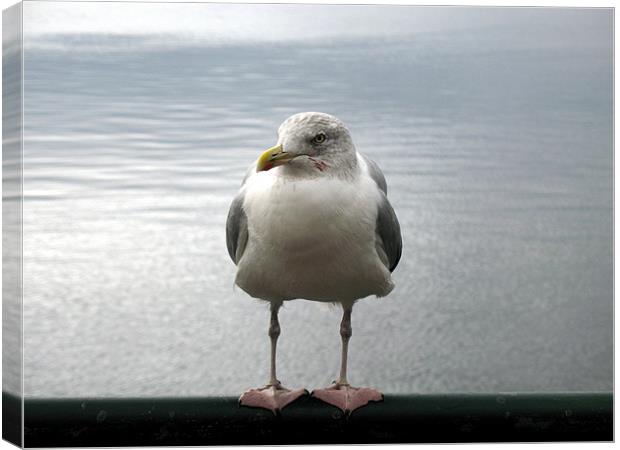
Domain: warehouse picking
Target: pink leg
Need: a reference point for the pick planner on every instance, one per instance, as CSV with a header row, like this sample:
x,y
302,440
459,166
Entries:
x,y
273,396
341,394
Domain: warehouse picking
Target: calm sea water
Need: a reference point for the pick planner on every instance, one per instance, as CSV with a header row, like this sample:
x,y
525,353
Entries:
x,y
499,166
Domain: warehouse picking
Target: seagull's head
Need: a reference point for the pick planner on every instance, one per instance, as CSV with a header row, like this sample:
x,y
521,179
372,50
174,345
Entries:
x,y
311,142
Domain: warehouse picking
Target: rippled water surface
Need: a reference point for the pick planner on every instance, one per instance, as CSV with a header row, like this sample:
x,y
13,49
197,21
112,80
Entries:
x,y
499,166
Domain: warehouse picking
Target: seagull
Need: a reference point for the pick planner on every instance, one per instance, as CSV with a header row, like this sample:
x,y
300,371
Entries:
x,y
312,221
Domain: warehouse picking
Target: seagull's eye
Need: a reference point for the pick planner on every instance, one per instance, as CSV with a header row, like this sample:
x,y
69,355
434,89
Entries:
x,y
319,138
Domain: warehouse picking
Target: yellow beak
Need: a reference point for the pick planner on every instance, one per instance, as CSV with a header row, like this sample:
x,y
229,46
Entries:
x,y
273,157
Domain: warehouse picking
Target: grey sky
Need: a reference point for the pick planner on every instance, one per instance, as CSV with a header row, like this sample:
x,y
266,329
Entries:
x,y
231,23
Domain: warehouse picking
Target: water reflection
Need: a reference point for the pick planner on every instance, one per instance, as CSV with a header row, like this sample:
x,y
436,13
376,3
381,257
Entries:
x,y
498,164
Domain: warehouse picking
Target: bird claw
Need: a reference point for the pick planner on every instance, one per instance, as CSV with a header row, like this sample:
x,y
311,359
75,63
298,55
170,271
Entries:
x,y
346,397
273,397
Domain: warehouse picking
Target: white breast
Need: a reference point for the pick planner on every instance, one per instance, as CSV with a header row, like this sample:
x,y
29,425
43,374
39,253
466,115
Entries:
x,y
311,239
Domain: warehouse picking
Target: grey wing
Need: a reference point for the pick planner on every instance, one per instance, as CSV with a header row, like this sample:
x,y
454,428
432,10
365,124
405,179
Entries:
x,y
375,173
388,241
237,221
236,228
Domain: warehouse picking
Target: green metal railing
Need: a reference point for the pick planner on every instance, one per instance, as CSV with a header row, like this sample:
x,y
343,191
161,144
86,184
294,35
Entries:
x,y
398,419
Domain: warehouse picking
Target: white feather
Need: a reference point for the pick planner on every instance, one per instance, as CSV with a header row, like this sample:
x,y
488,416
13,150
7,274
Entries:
x,y
312,238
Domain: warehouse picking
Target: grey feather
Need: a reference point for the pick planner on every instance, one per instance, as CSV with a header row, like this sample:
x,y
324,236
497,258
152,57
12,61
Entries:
x,y
236,228
375,173
389,243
